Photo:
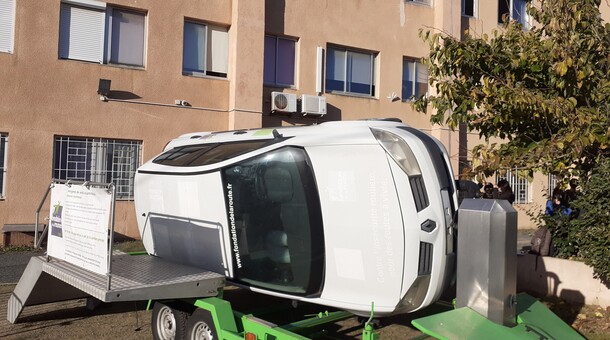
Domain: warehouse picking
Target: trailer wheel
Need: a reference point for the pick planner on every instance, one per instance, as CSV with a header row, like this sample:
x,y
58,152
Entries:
x,y
168,322
200,326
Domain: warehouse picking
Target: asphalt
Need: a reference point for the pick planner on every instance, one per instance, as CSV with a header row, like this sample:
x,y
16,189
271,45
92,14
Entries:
x,y
13,263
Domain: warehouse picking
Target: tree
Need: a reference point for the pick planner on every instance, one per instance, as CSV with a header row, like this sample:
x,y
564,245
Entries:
x,y
546,93
545,90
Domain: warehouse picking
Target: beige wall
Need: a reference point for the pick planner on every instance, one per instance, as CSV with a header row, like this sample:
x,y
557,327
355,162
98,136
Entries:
x,y
42,96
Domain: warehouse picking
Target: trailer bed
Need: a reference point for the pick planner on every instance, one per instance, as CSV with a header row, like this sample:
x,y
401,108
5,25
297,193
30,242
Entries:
x,y
133,278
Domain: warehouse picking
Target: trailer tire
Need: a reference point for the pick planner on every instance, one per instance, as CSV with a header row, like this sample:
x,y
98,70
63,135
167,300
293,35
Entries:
x,y
168,322
200,325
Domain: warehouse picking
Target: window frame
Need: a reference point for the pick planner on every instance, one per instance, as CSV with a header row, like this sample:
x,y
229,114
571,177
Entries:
x,y
206,43
475,9
8,33
4,147
105,39
81,160
414,88
420,2
373,62
275,82
524,19
108,35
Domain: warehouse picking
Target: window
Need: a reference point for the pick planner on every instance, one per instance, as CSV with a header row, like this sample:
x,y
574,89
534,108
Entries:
x,y
206,154
102,35
350,71
205,50
3,163
515,9
280,56
425,2
275,222
469,8
519,184
98,160
414,79
7,25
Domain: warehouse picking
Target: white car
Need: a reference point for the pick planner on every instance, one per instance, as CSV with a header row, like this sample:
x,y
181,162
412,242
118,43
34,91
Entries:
x,y
341,214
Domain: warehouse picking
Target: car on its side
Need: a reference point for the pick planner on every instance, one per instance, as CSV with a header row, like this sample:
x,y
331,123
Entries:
x,y
341,214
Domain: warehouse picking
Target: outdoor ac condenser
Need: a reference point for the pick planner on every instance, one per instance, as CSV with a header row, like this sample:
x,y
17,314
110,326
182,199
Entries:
x,y
283,102
313,105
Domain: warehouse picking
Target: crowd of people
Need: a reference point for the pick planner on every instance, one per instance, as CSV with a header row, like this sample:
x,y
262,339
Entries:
x,y
502,192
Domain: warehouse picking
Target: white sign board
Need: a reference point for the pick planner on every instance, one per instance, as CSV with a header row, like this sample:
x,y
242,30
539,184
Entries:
x,y
78,226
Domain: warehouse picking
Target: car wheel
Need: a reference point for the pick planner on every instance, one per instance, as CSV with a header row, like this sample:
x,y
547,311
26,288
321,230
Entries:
x,y
168,323
200,326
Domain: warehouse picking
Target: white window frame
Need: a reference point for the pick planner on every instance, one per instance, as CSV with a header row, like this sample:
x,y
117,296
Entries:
x,y
422,2
475,8
3,164
217,51
275,62
416,65
87,159
525,18
520,185
348,51
7,26
99,41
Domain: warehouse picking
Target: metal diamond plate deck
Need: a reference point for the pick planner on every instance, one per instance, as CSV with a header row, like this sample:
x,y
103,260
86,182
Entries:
x,y
138,277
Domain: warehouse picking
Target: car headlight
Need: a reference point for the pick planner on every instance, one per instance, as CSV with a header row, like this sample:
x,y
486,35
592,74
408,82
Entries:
x,y
399,150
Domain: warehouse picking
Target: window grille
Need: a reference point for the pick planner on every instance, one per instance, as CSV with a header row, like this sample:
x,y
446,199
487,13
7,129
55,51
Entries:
x,y
3,163
519,184
98,160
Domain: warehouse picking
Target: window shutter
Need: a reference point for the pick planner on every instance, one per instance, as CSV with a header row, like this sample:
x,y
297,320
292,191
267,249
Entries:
x,y
81,33
7,24
217,51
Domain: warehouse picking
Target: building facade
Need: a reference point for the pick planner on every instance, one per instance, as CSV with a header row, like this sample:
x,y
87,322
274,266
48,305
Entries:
x,y
91,89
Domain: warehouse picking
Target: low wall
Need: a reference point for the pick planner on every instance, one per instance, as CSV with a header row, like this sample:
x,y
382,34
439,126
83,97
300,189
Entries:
x,y
569,280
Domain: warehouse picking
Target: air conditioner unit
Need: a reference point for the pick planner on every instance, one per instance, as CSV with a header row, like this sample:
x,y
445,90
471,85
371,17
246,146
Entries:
x,y
283,102
313,105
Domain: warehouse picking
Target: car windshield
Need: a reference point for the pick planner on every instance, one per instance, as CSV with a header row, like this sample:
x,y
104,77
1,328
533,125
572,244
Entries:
x,y
275,222
205,154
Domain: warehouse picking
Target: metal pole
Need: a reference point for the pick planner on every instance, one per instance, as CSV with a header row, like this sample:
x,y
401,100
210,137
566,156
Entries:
x,y
44,198
111,243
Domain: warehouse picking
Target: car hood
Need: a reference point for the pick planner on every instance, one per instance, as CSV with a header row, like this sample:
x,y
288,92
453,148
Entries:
x,y
363,228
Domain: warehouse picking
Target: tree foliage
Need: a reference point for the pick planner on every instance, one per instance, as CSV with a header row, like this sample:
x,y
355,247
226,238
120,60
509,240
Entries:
x,y
545,91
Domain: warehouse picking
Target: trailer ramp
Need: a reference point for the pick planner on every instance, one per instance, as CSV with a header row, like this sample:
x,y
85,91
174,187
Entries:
x,y
133,278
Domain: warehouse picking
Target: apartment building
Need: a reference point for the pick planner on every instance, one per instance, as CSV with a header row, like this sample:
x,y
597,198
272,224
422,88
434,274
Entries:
x,y
91,89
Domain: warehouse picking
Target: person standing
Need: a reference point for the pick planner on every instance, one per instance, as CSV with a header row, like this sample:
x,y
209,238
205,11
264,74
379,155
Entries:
x,y
504,192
